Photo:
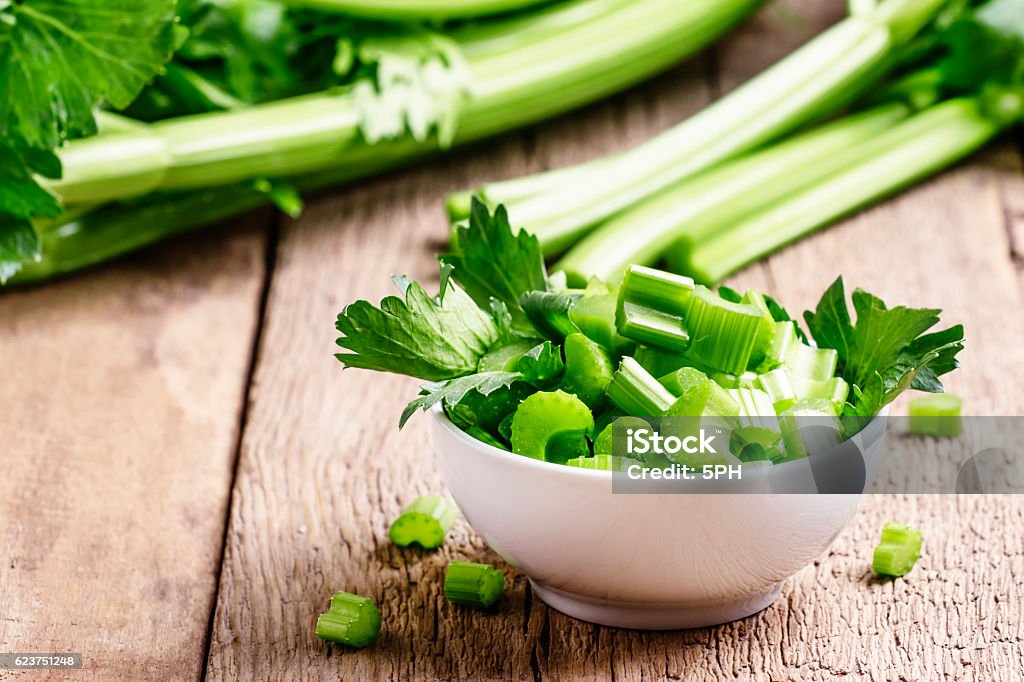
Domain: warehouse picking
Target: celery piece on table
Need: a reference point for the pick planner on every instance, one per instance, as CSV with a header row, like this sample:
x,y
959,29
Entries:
x,y
351,620
473,584
936,415
424,522
897,551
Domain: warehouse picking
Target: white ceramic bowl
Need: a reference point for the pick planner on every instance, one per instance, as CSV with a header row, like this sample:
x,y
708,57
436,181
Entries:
x,y
645,561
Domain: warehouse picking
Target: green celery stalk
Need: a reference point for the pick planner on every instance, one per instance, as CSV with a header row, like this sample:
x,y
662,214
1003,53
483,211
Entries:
x,y
413,10
697,208
636,392
924,144
536,78
811,82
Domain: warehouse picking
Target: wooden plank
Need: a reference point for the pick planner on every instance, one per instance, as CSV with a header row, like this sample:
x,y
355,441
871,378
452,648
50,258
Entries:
x,y
120,401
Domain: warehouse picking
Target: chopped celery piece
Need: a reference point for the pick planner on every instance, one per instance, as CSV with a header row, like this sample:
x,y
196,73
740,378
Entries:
x,y
783,338
722,333
651,306
351,620
505,426
424,522
485,437
606,418
897,551
726,380
551,426
756,407
834,390
785,388
636,392
651,326
765,328
599,462
504,358
473,584
812,363
549,313
604,443
659,361
809,427
698,395
779,388
656,289
594,315
588,369
936,415
753,443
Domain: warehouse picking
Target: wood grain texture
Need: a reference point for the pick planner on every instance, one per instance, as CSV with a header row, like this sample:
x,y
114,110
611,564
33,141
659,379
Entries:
x,y
119,413
323,469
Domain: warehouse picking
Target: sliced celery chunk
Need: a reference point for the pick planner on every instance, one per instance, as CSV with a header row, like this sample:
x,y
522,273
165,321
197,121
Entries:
x,y
588,369
600,462
809,427
424,522
473,584
636,392
552,426
765,328
813,363
937,414
756,408
722,333
898,550
351,620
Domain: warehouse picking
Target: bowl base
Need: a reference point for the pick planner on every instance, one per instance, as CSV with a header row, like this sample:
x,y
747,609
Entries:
x,y
645,616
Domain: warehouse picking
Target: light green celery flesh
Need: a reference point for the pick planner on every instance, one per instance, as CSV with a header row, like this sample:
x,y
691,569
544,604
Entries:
x,y
627,42
801,87
698,207
636,392
913,150
412,10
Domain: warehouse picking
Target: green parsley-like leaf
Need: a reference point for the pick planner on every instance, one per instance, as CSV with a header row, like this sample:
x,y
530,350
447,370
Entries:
x,y
60,58
492,261
20,194
453,391
420,336
985,44
886,351
542,365
18,243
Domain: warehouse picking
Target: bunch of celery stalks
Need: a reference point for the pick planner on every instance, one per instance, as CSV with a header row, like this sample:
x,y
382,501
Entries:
x,y
861,111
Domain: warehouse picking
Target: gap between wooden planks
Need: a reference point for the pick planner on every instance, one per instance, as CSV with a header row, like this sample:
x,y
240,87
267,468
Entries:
x,y
323,469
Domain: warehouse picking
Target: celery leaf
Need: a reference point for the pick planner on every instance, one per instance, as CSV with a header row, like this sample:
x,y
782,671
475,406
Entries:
x,y
885,351
454,391
492,261
542,365
59,59
421,336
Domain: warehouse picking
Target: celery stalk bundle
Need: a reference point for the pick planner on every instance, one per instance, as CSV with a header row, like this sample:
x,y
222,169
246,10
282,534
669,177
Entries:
x,y
266,98
709,195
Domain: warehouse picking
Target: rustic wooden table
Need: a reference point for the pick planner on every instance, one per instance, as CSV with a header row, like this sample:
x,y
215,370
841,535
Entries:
x,y
187,474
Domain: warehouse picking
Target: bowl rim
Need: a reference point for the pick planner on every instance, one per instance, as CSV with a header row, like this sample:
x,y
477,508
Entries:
x,y
562,469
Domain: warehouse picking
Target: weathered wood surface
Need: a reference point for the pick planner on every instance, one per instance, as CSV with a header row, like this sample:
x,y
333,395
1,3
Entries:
x,y
123,408
323,469
119,414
